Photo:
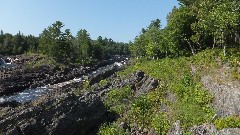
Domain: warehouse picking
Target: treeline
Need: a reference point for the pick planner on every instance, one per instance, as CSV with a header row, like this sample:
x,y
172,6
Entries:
x,y
62,45
17,44
195,26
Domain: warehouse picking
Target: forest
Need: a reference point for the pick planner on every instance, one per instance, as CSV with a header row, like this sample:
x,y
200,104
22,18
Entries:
x,y
193,57
193,27
62,46
180,79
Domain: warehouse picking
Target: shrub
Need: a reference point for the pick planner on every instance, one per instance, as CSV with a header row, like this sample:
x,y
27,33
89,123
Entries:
x,y
228,122
117,99
161,123
141,110
191,114
112,129
103,83
86,84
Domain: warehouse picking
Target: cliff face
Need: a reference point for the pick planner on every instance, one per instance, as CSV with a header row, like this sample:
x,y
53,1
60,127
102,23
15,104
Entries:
x,y
226,91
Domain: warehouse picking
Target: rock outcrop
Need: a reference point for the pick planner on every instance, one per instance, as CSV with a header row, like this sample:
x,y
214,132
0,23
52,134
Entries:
x,y
59,115
23,78
225,90
209,129
62,112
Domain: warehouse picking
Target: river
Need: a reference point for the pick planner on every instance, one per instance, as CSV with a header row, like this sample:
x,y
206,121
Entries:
x,y
32,94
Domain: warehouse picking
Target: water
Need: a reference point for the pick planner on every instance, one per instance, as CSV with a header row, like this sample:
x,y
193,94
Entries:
x,y
26,95
29,95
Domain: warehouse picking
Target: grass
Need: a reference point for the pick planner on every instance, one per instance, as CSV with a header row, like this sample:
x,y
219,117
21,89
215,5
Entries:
x,y
180,76
44,60
112,129
228,122
118,99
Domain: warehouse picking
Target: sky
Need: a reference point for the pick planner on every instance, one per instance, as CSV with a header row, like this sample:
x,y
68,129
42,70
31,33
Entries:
x,y
121,20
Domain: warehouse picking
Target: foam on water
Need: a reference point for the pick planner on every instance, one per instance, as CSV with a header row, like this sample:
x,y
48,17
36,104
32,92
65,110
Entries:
x,y
2,100
25,96
32,94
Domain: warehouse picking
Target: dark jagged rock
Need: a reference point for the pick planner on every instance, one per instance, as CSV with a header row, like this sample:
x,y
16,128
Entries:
x,y
23,78
139,75
176,129
10,104
103,73
206,129
210,129
226,101
140,82
65,114
61,112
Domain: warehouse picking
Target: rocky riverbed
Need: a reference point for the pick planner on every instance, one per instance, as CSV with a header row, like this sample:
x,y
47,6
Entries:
x,y
70,108
24,77
70,100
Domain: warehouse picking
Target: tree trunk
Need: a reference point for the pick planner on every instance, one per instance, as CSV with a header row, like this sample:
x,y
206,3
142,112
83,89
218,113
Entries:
x,y
237,36
191,47
214,42
224,49
223,44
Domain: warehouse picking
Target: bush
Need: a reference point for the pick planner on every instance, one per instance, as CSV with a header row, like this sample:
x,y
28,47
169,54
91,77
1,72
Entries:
x,y
86,84
192,102
112,129
228,122
191,114
161,123
117,99
141,110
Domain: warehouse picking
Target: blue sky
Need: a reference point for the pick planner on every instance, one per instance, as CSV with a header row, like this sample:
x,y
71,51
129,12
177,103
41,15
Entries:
x,y
121,20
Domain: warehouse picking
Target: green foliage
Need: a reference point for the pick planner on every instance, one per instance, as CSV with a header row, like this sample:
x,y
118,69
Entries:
x,y
161,123
228,122
117,99
217,18
103,48
83,46
151,42
77,91
179,33
192,105
17,44
191,114
86,84
60,45
43,61
192,27
55,43
191,92
112,129
141,110
103,83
